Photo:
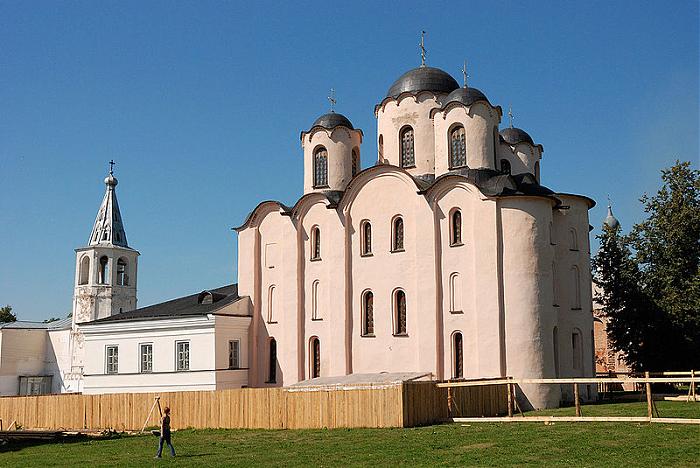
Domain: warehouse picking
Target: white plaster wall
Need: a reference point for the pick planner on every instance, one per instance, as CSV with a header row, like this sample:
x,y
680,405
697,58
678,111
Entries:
x,y
523,158
339,143
201,332
394,114
58,359
527,257
22,353
476,263
412,270
479,121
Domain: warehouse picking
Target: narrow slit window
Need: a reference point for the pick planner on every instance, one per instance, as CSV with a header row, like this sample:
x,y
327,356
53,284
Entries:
x,y
400,312
315,244
397,240
315,357
234,354
456,231
458,356
458,148
366,241
408,157
368,314
321,168
272,362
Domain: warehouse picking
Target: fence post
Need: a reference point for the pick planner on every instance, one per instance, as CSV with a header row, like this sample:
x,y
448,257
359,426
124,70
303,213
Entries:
x,y
692,384
576,401
510,400
648,387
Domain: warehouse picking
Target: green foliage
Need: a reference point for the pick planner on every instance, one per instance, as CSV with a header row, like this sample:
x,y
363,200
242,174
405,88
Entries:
x,y
651,278
52,319
6,314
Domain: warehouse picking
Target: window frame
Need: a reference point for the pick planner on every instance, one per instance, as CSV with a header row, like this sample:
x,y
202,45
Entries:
x,y
454,241
315,286
450,148
412,163
143,370
457,358
395,248
314,357
271,361
320,152
315,239
234,359
112,367
396,313
178,367
365,247
365,329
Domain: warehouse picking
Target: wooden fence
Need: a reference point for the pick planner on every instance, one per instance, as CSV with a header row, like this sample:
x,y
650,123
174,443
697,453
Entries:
x,y
401,405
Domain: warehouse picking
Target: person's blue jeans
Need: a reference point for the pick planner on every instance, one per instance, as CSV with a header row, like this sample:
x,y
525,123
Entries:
x,y
165,438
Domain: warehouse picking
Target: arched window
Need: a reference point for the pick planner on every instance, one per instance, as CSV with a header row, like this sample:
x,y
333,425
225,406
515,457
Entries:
x,y
400,312
457,356
458,148
408,156
573,239
455,293
271,304
380,148
456,228
315,357
575,287
84,273
576,353
355,162
104,271
505,166
315,243
368,314
272,362
397,235
555,345
122,273
366,241
321,168
314,300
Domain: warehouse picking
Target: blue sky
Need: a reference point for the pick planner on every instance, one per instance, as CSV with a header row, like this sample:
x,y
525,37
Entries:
x,y
201,103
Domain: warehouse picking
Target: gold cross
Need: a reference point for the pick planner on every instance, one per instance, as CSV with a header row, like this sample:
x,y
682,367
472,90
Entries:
x,y
423,52
332,100
111,166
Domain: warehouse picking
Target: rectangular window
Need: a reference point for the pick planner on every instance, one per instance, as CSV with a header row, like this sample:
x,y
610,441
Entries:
x,y
112,359
182,355
234,354
146,358
38,385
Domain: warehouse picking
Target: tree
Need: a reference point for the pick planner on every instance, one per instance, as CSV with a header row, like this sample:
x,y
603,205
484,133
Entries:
x,y
52,319
667,251
651,278
6,314
633,320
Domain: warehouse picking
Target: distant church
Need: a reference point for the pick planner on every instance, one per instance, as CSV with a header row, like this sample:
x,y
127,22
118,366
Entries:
x,y
446,257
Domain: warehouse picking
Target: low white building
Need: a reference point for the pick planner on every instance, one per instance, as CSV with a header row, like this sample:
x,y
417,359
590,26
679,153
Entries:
x,y
197,342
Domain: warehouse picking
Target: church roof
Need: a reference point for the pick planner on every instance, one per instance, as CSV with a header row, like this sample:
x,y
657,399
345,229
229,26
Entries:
x,y
466,96
423,79
108,229
513,136
202,303
332,120
27,325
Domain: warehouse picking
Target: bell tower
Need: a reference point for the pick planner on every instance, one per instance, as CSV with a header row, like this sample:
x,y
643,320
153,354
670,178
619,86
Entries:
x,y
106,268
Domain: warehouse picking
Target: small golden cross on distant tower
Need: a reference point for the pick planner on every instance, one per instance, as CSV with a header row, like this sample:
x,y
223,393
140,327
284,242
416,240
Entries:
x,y
510,115
423,52
465,73
332,100
111,166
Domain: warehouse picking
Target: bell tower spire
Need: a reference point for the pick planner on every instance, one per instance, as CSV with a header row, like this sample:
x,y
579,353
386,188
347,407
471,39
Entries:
x,y
109,228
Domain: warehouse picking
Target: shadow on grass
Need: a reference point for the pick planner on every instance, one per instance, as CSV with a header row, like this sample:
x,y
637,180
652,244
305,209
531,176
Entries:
x,y
14,445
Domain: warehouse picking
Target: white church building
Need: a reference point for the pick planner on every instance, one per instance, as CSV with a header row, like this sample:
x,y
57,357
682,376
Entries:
x,y
446,256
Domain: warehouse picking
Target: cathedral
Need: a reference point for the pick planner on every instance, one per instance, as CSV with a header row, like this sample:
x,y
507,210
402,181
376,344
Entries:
x,y
445,256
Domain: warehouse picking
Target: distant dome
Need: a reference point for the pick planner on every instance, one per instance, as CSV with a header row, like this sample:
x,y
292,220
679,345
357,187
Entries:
x,y
423,79
513,136
466,96
332,120
111,180
610,220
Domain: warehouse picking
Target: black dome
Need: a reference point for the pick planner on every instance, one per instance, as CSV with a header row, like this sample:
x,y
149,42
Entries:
x,y
332,120
513,136
423,79
466,96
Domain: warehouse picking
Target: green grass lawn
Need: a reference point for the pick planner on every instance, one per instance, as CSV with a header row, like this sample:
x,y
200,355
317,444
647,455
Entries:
x,y
579,444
